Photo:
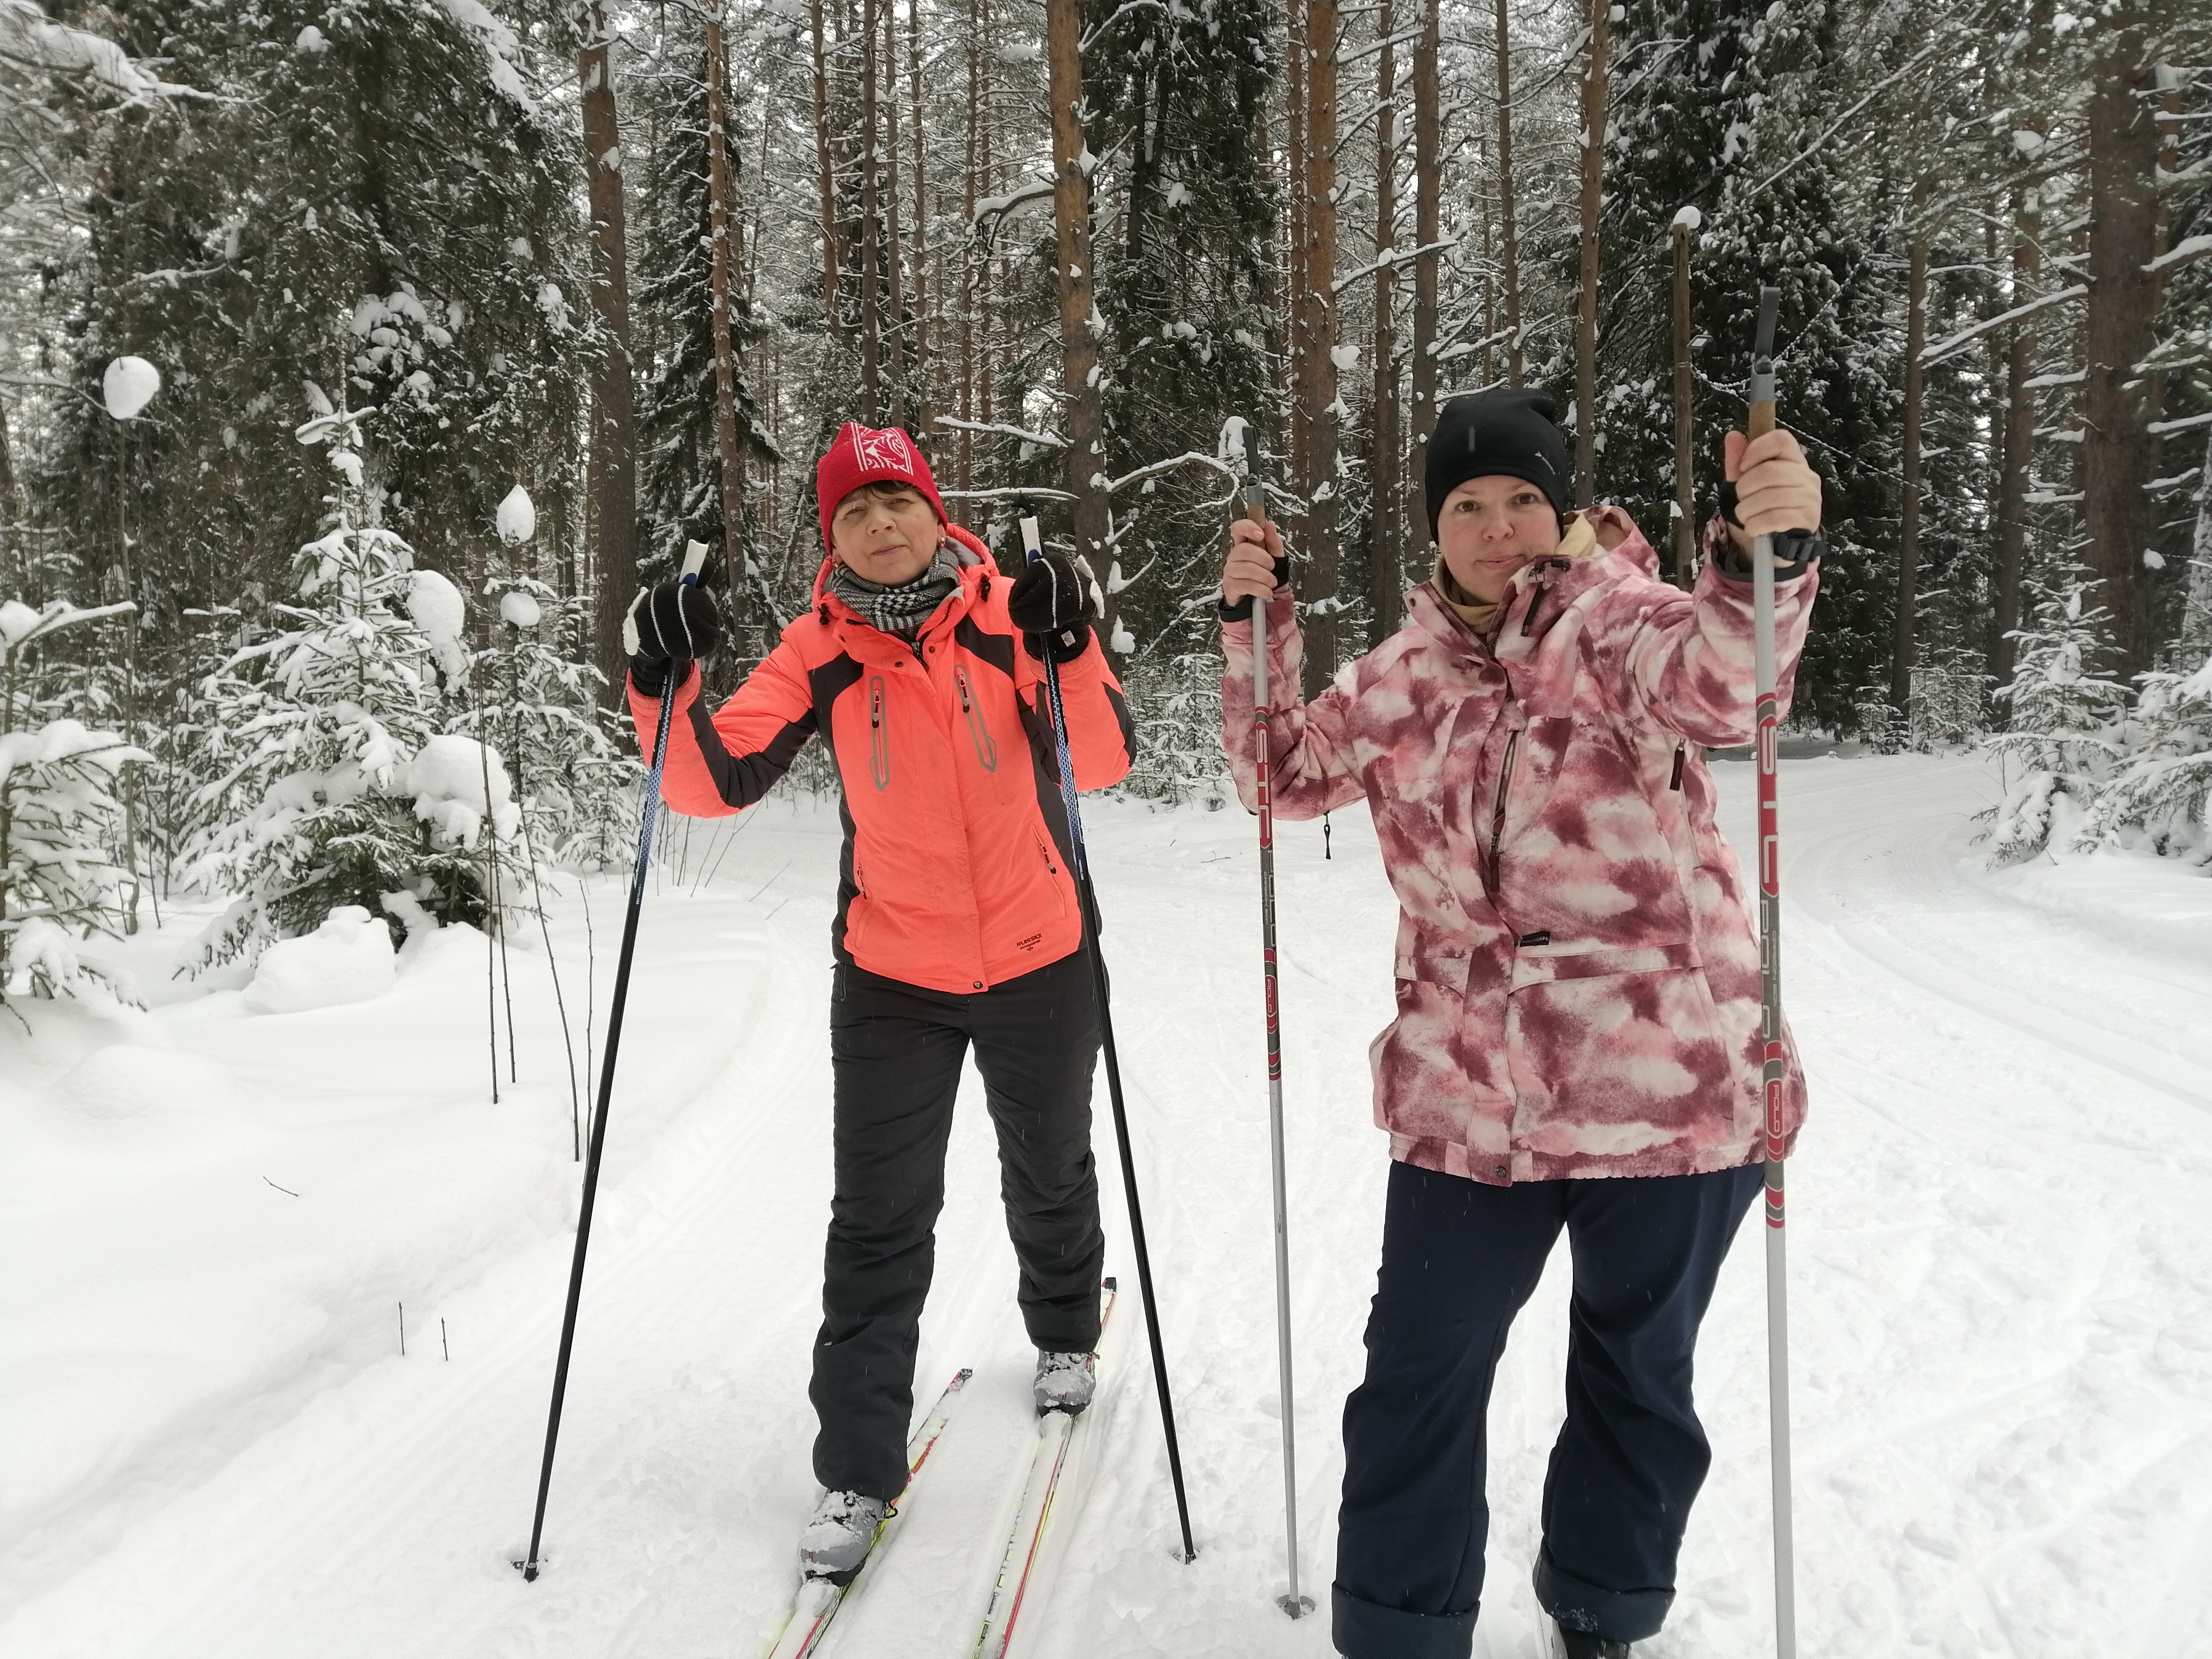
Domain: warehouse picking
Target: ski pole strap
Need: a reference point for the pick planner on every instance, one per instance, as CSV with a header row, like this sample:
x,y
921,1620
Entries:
x,y
1032,550
694,560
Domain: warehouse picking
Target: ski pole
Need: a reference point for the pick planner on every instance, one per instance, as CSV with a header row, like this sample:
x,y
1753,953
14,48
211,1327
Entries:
x,y
695,556
1087,896
1298,1606
1775,1067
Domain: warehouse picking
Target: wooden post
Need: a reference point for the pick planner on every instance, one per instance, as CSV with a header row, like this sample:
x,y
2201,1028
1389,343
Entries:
x,y
1594,113
1685,532
918,398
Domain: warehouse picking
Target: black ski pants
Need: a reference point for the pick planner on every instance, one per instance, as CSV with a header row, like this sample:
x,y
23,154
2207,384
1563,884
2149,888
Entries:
x,y
1459,1260
895,1051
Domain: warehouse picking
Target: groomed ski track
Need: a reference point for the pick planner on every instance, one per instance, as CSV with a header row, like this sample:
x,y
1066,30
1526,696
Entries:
x,y
2002,1220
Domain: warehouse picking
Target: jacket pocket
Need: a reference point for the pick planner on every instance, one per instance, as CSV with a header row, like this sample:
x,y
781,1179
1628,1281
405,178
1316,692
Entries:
x,y
979,732
880,734
1052,868
1618,1052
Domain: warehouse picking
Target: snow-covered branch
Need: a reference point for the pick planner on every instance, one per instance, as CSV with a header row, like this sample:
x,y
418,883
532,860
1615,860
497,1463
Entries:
x,y
1967,336
1046,439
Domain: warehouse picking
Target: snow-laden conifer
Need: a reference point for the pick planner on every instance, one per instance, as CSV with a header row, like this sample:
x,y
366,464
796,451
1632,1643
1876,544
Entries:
x,y
59,818
335,786
2064,738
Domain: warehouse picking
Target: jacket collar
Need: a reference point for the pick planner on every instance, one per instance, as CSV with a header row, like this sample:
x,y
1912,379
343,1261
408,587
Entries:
x,y
1538,594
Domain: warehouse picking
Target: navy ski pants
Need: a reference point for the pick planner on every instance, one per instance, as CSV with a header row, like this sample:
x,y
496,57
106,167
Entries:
x,y
1459,1260
895,1052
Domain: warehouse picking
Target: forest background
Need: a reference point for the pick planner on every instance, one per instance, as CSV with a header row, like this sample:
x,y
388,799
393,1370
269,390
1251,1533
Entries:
x,y
360,358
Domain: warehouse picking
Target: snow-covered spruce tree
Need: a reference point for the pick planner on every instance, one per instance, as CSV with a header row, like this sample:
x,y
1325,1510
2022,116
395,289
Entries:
x,y
336,787
679,495
59,820
577,775
1184,206
2159,798
2064,734
370,197
1717,98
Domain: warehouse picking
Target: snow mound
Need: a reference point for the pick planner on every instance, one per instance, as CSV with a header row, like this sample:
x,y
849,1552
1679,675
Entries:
x,y
439,611
447,777
133,1080
519,608
516,519
129,385
348,959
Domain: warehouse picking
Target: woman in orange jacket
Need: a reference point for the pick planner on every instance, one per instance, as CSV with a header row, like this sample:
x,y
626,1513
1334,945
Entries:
x,y
958,920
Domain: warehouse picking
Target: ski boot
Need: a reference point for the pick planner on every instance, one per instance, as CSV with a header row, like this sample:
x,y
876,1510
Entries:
x,y
1065,1381
836,1541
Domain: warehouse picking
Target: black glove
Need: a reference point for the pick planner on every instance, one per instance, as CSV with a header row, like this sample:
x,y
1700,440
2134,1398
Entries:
x,y
669,623
1053,603
1242,611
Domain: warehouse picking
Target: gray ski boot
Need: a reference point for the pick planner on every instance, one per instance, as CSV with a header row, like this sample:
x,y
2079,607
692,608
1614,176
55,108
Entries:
x,y
837,1539
1065,1381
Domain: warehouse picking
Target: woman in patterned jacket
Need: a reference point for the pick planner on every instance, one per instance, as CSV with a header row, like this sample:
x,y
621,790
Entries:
x,y
1577,1042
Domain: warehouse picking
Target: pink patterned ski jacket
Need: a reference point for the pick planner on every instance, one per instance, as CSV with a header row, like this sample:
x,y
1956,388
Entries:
x,y
1578,989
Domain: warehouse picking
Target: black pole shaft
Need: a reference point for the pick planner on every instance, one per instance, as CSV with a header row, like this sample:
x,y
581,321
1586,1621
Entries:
x,y
529,1564
1087,898
1090,899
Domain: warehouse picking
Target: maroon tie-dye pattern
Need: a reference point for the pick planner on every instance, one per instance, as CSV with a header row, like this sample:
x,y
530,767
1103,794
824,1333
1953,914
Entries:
x,y
1588,1004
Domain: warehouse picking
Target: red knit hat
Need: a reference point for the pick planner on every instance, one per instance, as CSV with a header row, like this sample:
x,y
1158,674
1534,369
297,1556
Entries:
x,y
861,455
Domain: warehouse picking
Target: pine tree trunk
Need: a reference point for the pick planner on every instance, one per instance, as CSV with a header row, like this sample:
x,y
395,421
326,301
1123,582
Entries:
x,y
1070,212
1908,537
897,341
872,320
971,258
918,386
1319,358
2117,452
1507,219
1686,390
1385,561
2018,448
1428,219
614,427
731,476
2196,608
1593,203
833,258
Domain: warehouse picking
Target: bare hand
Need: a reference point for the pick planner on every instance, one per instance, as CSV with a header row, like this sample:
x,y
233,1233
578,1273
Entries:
x,y
1775,490
1249,571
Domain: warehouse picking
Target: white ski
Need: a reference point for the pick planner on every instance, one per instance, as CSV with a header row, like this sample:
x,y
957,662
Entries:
x,y
818,1600
1008,1594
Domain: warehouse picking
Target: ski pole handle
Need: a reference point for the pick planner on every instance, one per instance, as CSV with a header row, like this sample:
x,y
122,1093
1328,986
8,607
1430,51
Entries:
x,y
1760,393
1255,509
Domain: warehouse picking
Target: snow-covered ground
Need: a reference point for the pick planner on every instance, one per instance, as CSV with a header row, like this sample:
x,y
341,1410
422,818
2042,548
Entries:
x,y
211,1445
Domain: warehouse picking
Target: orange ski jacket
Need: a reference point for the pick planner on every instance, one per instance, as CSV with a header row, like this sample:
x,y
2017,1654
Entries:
x,y
955,871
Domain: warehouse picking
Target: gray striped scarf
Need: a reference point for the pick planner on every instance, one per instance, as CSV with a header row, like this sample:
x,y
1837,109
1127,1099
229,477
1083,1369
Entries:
x,y
902,608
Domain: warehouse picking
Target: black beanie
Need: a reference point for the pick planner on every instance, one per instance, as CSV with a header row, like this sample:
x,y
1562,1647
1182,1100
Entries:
x,y
1507,432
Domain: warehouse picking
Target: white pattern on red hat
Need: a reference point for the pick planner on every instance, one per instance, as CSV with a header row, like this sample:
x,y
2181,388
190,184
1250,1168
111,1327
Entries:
x,y
886,448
